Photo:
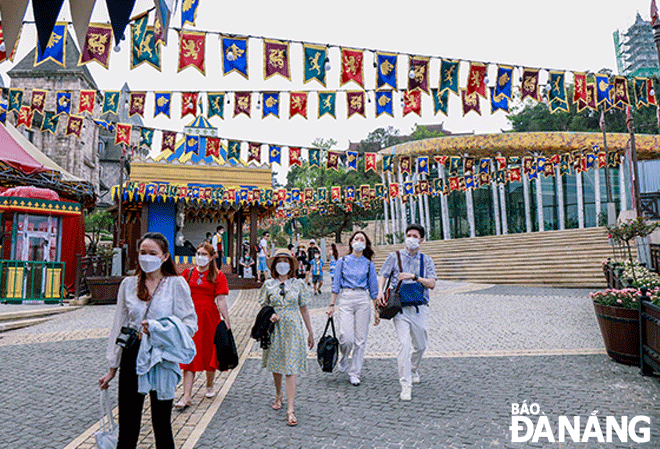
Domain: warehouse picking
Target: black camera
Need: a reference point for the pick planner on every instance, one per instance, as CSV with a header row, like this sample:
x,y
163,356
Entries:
x,y
127,337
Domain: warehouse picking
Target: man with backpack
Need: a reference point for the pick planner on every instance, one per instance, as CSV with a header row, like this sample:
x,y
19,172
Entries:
x,y
417,275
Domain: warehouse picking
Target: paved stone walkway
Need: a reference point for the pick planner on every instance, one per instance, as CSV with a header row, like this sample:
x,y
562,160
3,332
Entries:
x,y
489,347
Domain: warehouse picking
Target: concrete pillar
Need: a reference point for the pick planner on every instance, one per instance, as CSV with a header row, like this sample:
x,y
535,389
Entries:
x,y
528,214
539,203
560,198
580,199
496,207
622,185
470,211
503,214
401,208
597,192
386,221
444,209
395,224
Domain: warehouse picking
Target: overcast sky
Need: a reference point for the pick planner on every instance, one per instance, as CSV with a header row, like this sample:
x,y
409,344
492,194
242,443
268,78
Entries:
x,y
561,34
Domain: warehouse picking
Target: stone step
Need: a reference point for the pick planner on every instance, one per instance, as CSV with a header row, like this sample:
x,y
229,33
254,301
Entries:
x,y
35,313
18,324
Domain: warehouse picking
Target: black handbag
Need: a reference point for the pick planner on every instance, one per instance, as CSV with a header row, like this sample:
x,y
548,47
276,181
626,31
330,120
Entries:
x,y
392,297
225,348
327,351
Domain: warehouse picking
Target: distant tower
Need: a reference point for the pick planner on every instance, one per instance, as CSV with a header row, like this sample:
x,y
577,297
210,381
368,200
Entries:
x,y
636,54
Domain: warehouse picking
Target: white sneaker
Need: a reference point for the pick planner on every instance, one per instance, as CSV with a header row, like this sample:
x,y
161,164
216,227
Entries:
x,y
406,393
355,381
415,378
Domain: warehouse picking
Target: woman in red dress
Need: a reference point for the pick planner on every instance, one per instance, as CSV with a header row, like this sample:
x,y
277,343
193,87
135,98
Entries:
x,y
208,286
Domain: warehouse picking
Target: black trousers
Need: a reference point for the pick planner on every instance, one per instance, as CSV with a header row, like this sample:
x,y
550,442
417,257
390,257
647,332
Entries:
x,y
130,407
218,262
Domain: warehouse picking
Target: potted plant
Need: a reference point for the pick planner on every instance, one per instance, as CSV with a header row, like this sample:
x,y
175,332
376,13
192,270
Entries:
x,y
102,286
617,312
629,230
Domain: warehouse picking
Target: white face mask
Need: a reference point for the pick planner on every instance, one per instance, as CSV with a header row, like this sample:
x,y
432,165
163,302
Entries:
x,y
149,263
358,246
202,261
282,268
412,243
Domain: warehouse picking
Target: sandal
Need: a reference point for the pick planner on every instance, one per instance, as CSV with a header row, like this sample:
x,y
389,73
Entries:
x,y
181,406
291,419
210,392
277,403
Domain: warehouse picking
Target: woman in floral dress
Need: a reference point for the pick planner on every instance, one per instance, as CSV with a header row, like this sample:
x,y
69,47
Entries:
x,y
287,354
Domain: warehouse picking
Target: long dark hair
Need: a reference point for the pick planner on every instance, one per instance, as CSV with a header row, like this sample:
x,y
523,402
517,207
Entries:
x,y
167,268
213,269
368,251
335,253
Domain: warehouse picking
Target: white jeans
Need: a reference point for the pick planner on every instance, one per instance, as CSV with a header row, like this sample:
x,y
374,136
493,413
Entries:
x,y
353,315
411,327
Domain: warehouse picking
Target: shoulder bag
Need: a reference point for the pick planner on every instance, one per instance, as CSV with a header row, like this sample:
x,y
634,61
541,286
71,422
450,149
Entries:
x,y
327,351
392,296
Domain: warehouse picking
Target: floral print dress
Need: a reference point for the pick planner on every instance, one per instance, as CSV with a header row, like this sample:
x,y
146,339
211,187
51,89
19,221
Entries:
x,y
287,353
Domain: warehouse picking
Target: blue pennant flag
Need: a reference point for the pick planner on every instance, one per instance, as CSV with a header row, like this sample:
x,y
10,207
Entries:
x,y
386,70
234,55
423,165
3,113
384,102
192,144
274,154
55,49
314,158
351,159
295,195
189,12
108,126
498,103
408,188
271,104
162,103
503,82
602,88
63,102
469,181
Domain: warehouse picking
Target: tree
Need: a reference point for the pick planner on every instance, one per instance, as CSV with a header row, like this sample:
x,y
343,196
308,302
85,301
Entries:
x,y
96,224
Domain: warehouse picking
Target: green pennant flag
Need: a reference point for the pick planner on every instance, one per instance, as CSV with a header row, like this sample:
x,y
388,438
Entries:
x,y
111,101
216,104
314,56
50,122
146,137
234,151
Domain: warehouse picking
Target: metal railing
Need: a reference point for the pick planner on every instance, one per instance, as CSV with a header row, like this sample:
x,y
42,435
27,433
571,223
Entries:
x,y
88,266
655,257
24,281
650,204
649,337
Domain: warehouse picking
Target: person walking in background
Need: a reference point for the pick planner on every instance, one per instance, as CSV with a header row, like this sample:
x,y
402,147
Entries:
x,y
246,262
218,244
418,277
155,292
354,285
286,355
209,238
334,256
313,249
316,267
262,256
209,287
301,257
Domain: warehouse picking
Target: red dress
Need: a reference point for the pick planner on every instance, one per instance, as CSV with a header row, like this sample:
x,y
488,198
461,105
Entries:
x,y
203,296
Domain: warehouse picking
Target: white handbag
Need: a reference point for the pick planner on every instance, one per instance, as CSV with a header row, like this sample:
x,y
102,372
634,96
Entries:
x,y
106,438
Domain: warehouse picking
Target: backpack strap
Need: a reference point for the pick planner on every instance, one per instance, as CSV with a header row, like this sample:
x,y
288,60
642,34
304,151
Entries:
x,y
421,265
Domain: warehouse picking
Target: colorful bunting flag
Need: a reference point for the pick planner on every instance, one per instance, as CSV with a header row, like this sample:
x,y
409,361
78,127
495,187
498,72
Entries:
x,y
146,137
440,160
497,103
469,181
602,88
314,158
503,82
641,93
388,163
298,104
476,79
349,194
408,189
216,104
242,103
351,160
274,154
254,152
86,101
405,165
513,175
651,92
192,47
50,122
580,89
484,171
369,162
314,68
423,165
110,101
189,12
276,59
15,100
449,76
97,44
55,48
25,116
529,86
63,102
470,102
294,157
352,66
105,124
3,54
440,101
327,102
189,103
162,102
123,134
621,97
384,102
38,100
234,55
271,104
454,165
136,103
418,67
386,70
394,190
145,47
335,193
168,142
412,102
557,94
322,194
333,161
591,96
355,103
74,126
234,151
213,149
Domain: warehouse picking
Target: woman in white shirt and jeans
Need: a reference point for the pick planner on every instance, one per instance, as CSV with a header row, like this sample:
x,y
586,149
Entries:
x,y
156,291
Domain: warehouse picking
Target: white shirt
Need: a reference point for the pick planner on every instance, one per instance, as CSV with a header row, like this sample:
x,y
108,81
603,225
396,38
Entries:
x,y
171,299
263,244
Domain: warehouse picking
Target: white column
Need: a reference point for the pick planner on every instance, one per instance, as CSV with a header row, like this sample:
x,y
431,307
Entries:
x,y
597,191
560,198
403,219
496,207
470,211
539,203
622,185
444,209
393,225
580,199
420,204
427,210
386,220
528,213
505,225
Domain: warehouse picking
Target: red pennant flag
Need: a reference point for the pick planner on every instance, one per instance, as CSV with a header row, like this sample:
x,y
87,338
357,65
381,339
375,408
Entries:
x,y
123,134
530,84
97,44
470,102
136,104
276,59
514,174
242,103
501,163
352,66
580,92
423,186
651,92
212,147
38,100
294,157
418,73
86,103
74,126
281,195
527,162
169,140
412,102
556,159
394,190
298,104
442,160
602,159
254,152
355,103
453,183
476,79
333,160
189,103
192,45
369,162
405,165
335,194
25,116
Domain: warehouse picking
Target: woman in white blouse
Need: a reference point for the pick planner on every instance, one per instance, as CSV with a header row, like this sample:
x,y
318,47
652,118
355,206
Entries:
x,y
155,292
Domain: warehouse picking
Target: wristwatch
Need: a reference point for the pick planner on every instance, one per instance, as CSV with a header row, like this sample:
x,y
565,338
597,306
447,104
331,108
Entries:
x,y
415,278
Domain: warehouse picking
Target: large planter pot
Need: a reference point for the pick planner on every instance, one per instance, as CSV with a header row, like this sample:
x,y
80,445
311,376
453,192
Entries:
x,y
620,330
103,289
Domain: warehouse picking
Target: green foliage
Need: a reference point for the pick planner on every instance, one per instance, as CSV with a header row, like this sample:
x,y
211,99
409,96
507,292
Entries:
x,y
97,224
628,230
